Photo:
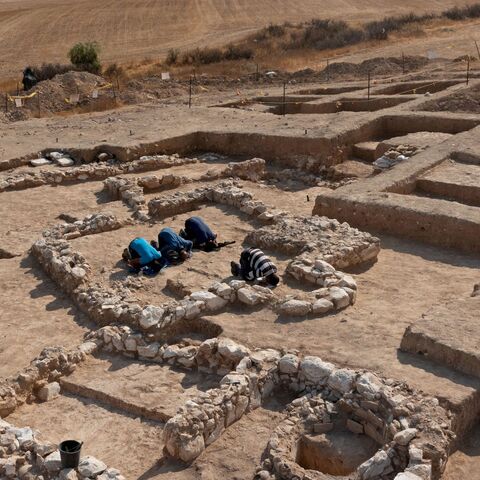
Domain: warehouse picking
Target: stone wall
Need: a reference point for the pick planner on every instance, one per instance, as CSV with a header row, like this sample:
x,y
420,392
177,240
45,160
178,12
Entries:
x,y
89,172
35,381
412,430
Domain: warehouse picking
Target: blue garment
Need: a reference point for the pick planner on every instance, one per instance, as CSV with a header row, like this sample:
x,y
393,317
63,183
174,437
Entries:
x,y
169,240
199,231
145,251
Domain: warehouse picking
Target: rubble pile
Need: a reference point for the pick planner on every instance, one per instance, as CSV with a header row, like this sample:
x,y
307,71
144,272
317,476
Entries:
x,y
24,455
253,169
336,243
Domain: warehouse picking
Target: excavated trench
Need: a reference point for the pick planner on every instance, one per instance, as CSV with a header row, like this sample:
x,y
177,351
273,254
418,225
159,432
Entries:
x,y
336,453
419,88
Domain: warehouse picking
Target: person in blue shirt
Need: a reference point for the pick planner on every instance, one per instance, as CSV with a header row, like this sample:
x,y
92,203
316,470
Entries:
x,y
200,234
172,246
140,255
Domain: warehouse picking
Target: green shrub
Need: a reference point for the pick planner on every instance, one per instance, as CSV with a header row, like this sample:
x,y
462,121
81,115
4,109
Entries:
x,y
85,56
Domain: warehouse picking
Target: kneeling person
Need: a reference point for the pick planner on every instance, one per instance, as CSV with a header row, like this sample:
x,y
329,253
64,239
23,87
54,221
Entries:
x,y
200,234
141,255
255,265
173,247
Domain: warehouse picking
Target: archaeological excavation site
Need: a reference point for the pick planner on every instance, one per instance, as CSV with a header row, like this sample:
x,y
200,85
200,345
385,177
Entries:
x,y
362,363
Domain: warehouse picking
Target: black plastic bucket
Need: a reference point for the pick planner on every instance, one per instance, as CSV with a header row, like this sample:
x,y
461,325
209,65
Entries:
x,y
70,453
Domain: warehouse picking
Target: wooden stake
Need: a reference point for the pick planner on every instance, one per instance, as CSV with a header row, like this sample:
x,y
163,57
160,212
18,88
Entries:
x,y
284,98
368,85
190,94
38,103
328,70
403,63
478,49
6,102
468,69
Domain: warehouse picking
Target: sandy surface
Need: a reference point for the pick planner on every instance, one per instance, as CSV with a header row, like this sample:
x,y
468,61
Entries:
x,y
464,463
147,385
35,314
455,173
107,434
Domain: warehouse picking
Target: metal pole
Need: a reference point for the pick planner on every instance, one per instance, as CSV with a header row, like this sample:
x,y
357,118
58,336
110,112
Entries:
x,y
6,102
38,102
18,91
328,70
190,94
478,49
257,73
118,83
284,98
403,63
468,69
369,85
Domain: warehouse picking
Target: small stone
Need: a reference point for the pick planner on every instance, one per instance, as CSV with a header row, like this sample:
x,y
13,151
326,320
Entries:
x,y
340,297
39,162
90,467
288,364
53,462
342,380
295,308
67,474
213,302
322,306
315,370
405,436
248,296
48,392
64,162
148,351
407,476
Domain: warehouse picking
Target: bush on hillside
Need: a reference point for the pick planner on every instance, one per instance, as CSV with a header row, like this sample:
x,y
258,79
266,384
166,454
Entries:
x,y
85,56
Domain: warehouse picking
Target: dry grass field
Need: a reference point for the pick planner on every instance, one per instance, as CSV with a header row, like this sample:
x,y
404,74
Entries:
x,y
33,31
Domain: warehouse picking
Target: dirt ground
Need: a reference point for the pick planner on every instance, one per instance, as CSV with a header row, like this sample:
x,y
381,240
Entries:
x,y
99,402
464,462
98,427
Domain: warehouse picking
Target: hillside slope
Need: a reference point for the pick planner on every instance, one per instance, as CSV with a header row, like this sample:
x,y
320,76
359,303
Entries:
x,y
32,31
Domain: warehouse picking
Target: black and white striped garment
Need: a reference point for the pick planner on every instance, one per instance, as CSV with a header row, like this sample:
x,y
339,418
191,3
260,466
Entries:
x,y
258,264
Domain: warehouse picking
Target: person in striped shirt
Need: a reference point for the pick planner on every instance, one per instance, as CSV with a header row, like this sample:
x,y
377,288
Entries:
x,y
255,265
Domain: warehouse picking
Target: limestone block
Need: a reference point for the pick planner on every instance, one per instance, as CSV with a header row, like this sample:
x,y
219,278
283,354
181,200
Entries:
x,y
64,162
295,308
249,296
375,466
368,384
53,462
404,437
340,297
48,392
407,476
90,467
213,302
315,370
289,364
151,316
323,266
68,474
322,306
148,351
191,448
232,351
40,162
342,380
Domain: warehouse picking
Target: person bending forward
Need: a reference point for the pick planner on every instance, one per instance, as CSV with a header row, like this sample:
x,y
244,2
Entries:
x,y
255,266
